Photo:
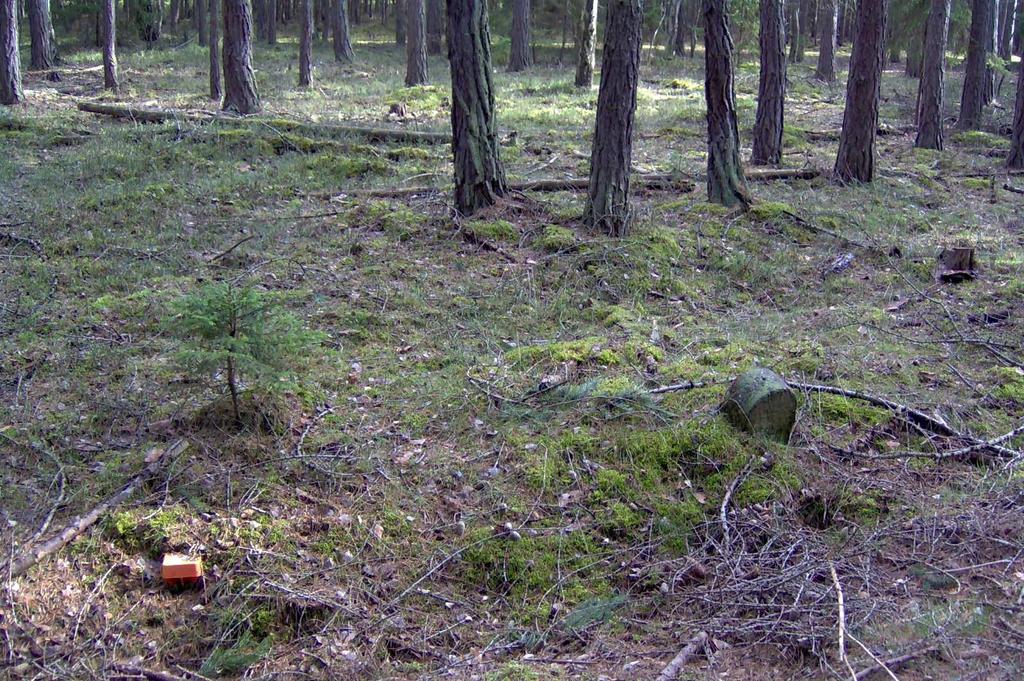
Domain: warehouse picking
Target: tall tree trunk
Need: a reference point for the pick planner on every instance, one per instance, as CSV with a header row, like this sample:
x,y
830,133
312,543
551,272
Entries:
x,y
1018,25
342,40
306,45
972,100
795,35
855,161
240,93
586,43
399,25
435,26
929,92
1016,158
520,58
828,20
479,175
175,14
44,44
416,43
271,10
10,59
726,183
771,91
109,45
915,54
216,89
201,24
1006,28
611,153
681,30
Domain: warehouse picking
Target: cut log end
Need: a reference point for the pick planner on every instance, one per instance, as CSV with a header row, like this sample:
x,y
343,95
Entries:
x,y
760,402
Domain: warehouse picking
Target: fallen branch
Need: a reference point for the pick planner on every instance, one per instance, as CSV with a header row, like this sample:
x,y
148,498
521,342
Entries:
x,y
893,662
693,646
644,181
1010,188
233,247
146,115
129,671
918,418
841,603
19,565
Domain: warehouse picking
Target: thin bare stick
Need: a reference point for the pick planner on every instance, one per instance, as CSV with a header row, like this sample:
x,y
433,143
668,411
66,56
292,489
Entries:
x,y
233,247
880,664
892,662
840,601
693,646
27,559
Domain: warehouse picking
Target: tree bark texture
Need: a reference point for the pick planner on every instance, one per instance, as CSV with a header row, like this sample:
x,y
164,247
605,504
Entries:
x,y
973,97
929,92
1006,28
416,43
611,155
306,45
479,175
399,25
43,54
520,57
726,184
10,59
435,26
109,22
855,161
586,43
271,19
202,34
216,89
795,35
240,93
828,21
771,91
1016,158
342,39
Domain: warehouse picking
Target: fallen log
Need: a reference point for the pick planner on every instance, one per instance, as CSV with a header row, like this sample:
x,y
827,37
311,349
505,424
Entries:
x,y
29,557
693,646
150,115
646,181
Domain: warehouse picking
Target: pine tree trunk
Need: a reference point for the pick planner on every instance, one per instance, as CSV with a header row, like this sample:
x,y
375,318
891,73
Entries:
x,y
1006,28
796,39
175,14
306,45
271,19
44,44
435,26
855,161
915,55
972,100
216,89
10,59
416,43
828,20
343,51
240,93
1016,158
771,92
726,184
201,25
399,25
586,43
1018,33
520,58
681,30
109,45
929,92
479,175
611,155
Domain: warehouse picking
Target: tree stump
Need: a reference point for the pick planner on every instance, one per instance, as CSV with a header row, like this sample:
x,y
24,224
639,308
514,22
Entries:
x,y
760,402
957,264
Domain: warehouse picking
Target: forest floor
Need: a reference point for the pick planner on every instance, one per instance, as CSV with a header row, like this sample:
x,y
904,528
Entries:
x,y
420,508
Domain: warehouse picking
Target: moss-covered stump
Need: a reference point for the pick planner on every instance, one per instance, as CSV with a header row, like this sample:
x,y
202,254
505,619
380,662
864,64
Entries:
x,y
759,401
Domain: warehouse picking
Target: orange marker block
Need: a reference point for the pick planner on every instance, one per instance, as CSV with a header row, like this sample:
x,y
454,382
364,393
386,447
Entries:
x,y
179,570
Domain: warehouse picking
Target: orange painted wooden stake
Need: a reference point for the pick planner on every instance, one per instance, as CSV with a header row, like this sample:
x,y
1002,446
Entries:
x,y
179,570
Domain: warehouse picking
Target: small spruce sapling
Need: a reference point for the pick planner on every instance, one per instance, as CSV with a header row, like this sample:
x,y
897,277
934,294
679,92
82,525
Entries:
x,y
242,334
